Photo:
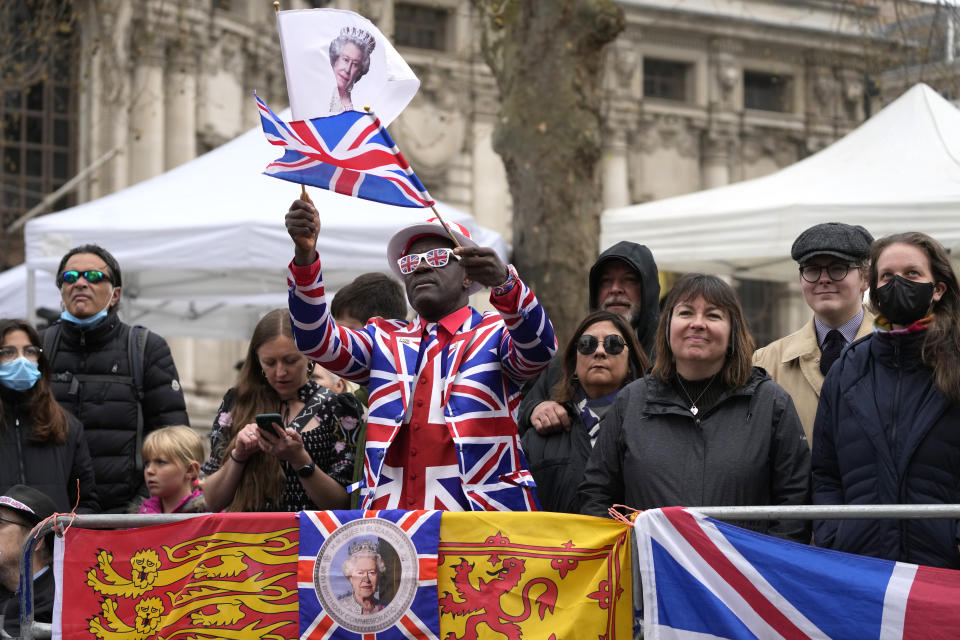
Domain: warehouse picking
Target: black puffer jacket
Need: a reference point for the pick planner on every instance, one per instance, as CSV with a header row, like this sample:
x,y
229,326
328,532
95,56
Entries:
x,y
108,410
885,434
556,463
645,323
747,449
53,469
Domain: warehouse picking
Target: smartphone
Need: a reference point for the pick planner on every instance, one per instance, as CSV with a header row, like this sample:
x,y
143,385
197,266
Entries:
x,y
265,422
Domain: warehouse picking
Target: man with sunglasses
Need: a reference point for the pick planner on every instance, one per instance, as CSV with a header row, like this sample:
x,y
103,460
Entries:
x,y
832,259
444,388
624,280
120,381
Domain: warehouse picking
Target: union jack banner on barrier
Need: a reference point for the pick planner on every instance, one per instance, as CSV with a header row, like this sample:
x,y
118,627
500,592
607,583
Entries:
x,y
392,597
350,153
705,579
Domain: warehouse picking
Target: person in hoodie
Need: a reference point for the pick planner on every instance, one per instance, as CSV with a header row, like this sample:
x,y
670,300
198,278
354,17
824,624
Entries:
x,y
624,280
91,355
886,430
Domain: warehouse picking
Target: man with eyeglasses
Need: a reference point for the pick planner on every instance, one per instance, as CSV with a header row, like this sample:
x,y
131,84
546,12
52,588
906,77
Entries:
x,y
119,381
444,388
833,259
21,508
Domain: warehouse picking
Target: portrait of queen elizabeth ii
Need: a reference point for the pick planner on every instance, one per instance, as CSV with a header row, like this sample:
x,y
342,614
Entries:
x,y
363,568
350,59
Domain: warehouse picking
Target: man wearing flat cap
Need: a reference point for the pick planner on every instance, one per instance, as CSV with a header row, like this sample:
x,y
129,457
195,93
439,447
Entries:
x,y
21,509
833,259
444,388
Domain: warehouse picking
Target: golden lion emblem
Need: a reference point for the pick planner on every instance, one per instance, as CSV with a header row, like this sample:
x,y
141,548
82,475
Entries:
x,y
205,581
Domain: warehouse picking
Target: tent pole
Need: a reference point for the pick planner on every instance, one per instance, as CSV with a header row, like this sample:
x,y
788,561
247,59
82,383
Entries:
x,y
31,297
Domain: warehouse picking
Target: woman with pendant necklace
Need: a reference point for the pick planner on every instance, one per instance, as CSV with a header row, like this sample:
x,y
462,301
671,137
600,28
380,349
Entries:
x,y
705,427
303,463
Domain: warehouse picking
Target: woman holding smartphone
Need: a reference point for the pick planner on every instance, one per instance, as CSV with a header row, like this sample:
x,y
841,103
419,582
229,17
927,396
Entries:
x,y
277,443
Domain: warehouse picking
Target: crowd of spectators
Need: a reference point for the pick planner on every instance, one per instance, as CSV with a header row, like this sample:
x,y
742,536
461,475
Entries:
x,y
654,401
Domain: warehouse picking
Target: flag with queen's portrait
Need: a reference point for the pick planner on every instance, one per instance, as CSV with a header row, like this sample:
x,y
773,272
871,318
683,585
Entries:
x,y
368,574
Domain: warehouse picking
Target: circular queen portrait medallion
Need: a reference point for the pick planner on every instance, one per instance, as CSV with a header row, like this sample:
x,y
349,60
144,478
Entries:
x,y
366,575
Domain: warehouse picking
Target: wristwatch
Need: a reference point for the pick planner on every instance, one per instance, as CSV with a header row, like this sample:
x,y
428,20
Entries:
x,y
307,470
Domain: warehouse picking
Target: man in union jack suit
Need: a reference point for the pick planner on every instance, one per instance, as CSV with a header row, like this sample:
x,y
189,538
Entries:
x,y
444,388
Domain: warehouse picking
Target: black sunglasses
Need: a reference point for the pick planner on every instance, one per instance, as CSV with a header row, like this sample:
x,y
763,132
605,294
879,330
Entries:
x,y
612,344
92,276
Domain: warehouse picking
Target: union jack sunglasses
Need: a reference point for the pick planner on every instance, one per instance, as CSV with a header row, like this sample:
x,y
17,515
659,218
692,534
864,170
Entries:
x,y
436,258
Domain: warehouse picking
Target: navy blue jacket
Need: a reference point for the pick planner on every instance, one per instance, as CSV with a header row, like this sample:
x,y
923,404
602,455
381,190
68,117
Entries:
x,y
885,434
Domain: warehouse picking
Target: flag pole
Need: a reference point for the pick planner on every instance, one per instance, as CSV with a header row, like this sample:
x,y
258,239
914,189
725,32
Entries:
x,y
303,188
406,165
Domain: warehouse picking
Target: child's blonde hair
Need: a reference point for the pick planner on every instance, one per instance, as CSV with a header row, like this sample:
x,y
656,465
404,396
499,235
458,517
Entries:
x,y
179,442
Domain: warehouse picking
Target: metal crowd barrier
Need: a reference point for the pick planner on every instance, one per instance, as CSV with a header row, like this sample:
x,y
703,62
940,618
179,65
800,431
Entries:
x,y
31,630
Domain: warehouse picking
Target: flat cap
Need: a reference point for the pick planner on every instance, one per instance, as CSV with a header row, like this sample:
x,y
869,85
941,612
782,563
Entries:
x,y
847,241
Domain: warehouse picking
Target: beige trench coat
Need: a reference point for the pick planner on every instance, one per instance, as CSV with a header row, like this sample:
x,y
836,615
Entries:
x,y
794,363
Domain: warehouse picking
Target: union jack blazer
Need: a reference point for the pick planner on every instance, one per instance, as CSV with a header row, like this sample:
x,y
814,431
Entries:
x,y
477,379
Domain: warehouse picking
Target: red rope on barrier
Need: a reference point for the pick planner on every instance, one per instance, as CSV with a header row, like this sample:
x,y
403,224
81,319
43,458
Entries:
x,y
625,519
57,528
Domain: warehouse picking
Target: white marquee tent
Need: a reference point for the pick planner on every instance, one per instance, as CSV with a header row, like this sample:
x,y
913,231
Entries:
x,y
898,171
203,248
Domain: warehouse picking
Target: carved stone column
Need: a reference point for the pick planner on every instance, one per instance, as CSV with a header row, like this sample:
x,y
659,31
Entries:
x,y
623,90
180,113
719,144
146,144
851,95
616,174
725,93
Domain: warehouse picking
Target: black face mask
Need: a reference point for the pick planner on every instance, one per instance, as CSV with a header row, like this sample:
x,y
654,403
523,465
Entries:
x,y
904,301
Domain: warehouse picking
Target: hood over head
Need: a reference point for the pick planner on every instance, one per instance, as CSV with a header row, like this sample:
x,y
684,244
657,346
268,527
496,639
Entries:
x,y
641,259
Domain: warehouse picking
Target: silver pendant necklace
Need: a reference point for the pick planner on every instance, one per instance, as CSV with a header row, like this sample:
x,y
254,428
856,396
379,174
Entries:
x,y
693,403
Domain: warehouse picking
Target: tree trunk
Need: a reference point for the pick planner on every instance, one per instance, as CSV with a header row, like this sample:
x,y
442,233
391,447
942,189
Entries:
x,y
547,59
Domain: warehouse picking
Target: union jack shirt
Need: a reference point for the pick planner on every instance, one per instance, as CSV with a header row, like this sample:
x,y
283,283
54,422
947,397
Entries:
x,y
470,388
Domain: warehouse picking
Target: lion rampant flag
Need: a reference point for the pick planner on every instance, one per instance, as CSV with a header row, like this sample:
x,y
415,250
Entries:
x,y
533,575
223,576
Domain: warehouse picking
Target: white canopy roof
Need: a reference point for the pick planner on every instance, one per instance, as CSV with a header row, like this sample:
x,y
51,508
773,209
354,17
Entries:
x,y
203,248
13,293
899,171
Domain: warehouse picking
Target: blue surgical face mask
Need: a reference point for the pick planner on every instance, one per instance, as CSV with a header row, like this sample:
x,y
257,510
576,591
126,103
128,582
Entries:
x,y
20,374
84,323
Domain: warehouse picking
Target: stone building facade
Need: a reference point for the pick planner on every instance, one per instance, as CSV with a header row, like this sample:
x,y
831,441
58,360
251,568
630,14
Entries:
x,y
699,94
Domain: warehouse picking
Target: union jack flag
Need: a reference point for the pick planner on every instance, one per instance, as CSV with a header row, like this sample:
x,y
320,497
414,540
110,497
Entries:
x,y
407,542
350,153
705,579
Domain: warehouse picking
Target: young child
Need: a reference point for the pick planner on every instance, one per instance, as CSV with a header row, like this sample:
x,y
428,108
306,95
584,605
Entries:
x,y
171,459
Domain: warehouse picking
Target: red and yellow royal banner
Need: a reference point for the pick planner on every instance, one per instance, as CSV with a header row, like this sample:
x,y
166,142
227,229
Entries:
x,y
233,576
221,576
533,575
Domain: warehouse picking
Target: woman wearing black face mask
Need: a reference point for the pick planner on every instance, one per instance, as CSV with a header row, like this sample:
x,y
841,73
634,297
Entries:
x,y
888,424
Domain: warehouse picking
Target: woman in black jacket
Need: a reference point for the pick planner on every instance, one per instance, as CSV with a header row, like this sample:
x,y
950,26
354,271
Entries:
x,y
887,429
41,445
602,356
704,427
